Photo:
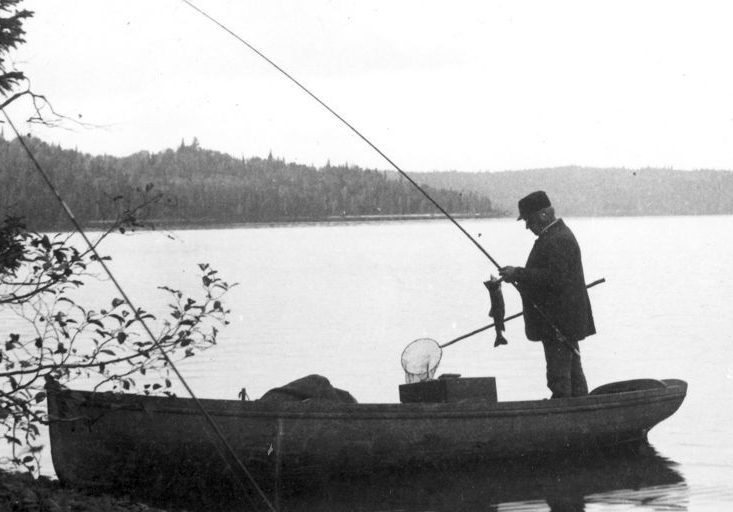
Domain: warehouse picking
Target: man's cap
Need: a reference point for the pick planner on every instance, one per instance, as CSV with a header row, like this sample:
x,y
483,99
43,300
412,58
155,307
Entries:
x,y
533,203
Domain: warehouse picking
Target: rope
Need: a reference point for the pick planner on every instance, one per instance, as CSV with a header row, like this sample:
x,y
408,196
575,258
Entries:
x,y
214,426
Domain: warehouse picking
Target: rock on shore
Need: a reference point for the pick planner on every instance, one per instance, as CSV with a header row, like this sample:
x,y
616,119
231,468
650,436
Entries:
x,y
22,493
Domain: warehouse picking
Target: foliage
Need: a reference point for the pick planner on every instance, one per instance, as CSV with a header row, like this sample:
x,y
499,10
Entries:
x,y
64,340
11,35
203,186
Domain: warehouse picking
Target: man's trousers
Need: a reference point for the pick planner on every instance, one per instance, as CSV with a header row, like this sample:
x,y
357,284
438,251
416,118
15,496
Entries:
x,y
564,372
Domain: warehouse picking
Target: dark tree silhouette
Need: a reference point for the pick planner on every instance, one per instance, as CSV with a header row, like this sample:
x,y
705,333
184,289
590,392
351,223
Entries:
x,y
11,35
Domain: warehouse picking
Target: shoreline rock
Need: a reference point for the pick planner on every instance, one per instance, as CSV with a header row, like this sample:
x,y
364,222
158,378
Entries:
x,y
20,492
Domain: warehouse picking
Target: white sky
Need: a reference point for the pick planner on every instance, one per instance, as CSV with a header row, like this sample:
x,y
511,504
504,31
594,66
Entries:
x,y
443,85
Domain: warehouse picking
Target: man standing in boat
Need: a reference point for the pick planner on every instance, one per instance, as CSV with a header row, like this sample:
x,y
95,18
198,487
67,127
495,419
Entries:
x,y
557,308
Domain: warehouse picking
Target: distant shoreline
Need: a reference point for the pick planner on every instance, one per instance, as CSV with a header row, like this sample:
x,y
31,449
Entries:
x,y
334,219
343,219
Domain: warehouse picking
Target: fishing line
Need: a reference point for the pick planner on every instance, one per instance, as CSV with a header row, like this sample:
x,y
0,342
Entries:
x,y
214,426
539,311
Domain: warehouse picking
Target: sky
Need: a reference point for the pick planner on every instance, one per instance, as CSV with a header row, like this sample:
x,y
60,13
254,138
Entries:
x,y
436,85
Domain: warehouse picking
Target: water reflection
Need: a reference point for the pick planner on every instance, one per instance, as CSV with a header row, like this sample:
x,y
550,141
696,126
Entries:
x,y
637,477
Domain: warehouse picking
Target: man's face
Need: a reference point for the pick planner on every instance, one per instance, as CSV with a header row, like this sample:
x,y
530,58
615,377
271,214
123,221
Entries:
x,y
533,222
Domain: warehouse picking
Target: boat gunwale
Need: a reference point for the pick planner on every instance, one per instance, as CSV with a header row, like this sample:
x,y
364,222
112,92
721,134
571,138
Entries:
x,y
329,410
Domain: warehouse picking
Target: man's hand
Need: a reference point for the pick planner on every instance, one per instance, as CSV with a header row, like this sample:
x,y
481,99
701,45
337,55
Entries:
x,y
509,273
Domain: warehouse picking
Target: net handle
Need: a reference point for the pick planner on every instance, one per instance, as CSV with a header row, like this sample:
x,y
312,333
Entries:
x,y
440,347
506,319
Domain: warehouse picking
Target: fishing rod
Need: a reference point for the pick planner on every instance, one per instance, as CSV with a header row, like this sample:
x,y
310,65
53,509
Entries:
x,y
345,122
233,461
560,336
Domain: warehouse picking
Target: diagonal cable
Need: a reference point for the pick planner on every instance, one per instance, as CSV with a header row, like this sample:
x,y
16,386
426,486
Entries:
x,y
214,426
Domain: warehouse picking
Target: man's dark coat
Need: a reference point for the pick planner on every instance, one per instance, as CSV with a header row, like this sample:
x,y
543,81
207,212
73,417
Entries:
x,y
553,279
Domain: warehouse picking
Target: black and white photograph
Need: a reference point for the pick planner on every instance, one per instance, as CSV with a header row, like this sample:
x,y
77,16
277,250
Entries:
x,y
374,256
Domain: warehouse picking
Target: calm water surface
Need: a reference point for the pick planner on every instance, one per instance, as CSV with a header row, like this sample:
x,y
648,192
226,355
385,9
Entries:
x,y
343,300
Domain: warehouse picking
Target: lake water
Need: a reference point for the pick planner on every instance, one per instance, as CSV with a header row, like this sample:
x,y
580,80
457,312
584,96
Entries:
x,y
343,300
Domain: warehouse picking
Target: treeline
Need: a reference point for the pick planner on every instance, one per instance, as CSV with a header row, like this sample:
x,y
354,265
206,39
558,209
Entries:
x,y
200,186
583,191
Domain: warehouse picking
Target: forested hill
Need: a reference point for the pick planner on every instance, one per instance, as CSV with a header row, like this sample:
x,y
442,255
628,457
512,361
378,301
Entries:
x,y
582,191
202,186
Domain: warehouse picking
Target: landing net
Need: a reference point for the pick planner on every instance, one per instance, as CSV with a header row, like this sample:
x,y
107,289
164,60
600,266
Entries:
x,y
420,359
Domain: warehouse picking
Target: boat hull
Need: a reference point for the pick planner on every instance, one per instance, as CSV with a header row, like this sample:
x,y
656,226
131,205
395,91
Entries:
x,y
108,440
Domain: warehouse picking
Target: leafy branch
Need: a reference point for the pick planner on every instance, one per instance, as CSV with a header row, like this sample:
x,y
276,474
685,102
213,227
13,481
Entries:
x,y
106,348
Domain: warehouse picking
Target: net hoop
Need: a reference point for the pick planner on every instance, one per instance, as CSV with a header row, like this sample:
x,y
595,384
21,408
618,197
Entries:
x,y
420,359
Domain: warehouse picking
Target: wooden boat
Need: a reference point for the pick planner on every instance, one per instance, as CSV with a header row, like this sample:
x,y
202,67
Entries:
x,y
108,440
